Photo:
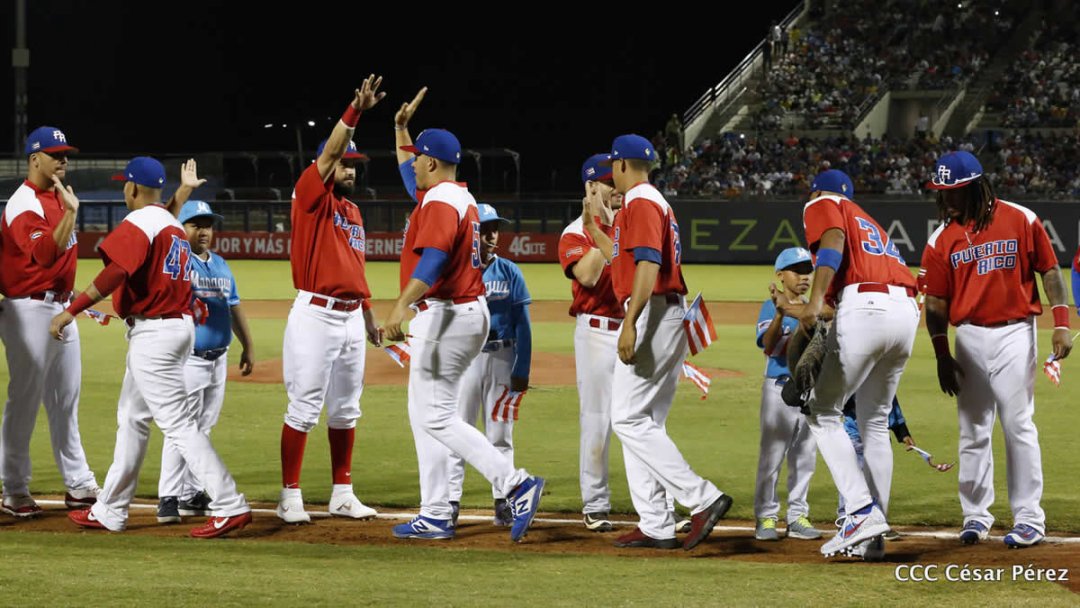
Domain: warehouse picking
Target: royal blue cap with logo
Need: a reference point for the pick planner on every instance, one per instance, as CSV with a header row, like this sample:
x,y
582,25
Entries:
x,y
833,180
144,171
47,140
955,170
351,153
437,143
193,209
594,169
792,256
631,146
488,214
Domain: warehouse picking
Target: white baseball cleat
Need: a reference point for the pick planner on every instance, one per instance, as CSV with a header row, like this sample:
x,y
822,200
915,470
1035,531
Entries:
x,y
856,527
348,505
291,507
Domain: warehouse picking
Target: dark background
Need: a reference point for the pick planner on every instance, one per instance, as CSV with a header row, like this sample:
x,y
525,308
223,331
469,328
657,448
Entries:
x,y
555,84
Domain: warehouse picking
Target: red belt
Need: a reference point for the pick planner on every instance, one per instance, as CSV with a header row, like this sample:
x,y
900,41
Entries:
x,y
339,305
422,305
56,296
883,288
998,324
172,315
608,324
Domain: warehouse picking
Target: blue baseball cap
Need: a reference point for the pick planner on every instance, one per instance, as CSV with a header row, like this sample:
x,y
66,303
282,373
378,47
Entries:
x,y
193,209
350,152
47,139
955,170
144,171
437,143
792,256
488,214
594,170
833,180
631,146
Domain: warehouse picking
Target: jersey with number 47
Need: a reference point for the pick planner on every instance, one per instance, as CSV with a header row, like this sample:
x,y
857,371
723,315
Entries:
x,y
446,218
869,255
152,248
646,220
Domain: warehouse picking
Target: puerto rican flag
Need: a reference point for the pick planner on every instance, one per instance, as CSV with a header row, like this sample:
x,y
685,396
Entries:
x,y
1052,369
700,332
697,376
400,353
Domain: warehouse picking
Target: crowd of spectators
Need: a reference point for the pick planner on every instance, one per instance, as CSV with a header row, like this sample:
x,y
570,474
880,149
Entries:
x,y
1042,87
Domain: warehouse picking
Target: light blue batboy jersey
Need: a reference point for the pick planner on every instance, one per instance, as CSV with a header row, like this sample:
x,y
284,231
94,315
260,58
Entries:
x,y
213,283
776,365
507,299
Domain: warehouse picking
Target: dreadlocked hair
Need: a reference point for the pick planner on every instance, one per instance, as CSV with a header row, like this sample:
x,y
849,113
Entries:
x,y
976,203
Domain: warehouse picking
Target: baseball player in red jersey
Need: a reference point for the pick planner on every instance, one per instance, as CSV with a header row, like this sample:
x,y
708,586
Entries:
x,y
323,354
646,275
860,272
146,269
585,249
441,280
980,267
37,272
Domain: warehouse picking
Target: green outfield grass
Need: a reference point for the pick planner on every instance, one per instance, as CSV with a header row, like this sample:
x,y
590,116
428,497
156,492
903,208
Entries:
x,y
718,436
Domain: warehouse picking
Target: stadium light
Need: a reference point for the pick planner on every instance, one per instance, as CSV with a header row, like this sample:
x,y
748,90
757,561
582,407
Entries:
x,y
311,123
267,126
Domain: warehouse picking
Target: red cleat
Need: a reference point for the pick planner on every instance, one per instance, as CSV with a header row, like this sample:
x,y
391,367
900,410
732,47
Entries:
x,y
220,526
86,519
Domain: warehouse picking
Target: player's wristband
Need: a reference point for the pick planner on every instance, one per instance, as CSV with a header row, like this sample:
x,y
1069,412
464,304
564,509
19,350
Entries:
x,y
80,304
351,116
941,345
1061,316
829,257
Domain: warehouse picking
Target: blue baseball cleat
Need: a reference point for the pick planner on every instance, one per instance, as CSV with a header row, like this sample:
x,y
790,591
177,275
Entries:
x,y
973,533
1023,535
425,528
525,502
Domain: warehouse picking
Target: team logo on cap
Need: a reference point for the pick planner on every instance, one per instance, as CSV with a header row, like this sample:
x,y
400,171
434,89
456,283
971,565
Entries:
x,y
59,136
944,174
203,207
35,145
590,171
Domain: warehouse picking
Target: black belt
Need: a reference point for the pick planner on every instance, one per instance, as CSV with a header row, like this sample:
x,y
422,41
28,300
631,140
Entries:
x,y
493,345
211,354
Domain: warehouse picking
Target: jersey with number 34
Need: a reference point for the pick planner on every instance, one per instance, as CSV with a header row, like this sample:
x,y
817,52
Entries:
x,y
869,255
152,248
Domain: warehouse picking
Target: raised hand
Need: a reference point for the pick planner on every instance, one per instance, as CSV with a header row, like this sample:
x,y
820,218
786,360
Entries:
x,y
368,94
405,113
189,174
71,202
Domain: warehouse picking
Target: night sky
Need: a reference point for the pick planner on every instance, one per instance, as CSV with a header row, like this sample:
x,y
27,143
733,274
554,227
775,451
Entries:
x,y
138,77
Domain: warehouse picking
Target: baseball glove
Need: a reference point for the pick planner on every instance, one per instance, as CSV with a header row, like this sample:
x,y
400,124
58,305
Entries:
x,y
805,355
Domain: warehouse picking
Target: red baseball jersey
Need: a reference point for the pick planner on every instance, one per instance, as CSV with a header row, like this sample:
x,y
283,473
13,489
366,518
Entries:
x,y
152,247
598,300
328,240
31,215
989,276
447,219
646,220
869,255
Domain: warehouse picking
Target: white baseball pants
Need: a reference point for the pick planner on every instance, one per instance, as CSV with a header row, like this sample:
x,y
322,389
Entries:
x,y
481,386
784,433
595,355
205,382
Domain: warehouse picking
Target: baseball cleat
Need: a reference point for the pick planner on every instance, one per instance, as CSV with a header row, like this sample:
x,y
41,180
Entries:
x,y
455,510
802,529
639,540
168,510
425,528
504,516
973,533
20,505
81,498
872,550
196,506
349,505
766,529
598,522
1023,535
86,519
892,534
291,507
856,527
220,526
703,522
683,526
525,502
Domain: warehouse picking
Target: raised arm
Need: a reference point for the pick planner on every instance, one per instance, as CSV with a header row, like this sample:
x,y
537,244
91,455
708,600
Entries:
x,y
364,99
401,126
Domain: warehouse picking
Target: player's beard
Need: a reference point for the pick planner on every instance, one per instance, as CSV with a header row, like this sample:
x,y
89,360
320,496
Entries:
x,y
344,189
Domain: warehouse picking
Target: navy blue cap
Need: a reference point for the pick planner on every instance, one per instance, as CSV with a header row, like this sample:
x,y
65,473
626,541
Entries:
x,y
833,180
144,171
437,143
631,146
47,139
350,151
193,209
594,171
488,214
955,170
791,256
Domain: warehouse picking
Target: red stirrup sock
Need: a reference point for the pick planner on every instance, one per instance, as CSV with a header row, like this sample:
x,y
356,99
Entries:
x,y
293,443
341,445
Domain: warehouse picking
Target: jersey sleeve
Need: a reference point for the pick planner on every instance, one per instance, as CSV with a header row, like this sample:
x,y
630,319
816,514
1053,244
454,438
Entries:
x,y
1043,254
311,189
127,246
1076,288
31,233
819,217
234,291
522,341
572,247
765,317
438,227
935,275
519,292
644,226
